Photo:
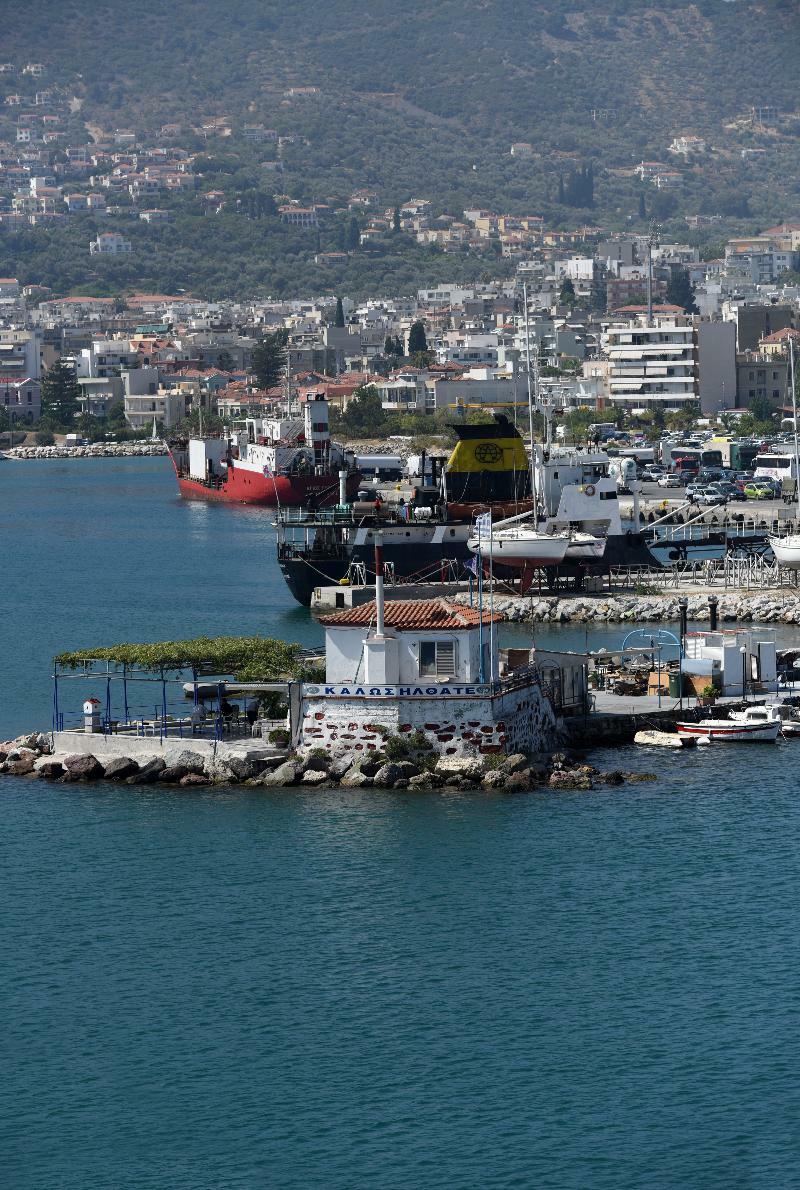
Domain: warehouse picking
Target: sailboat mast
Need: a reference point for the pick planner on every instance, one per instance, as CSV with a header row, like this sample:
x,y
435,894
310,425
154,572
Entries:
x,y
530,397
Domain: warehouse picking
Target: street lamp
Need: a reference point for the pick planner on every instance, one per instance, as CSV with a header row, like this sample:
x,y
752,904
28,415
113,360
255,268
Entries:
x,y
743,651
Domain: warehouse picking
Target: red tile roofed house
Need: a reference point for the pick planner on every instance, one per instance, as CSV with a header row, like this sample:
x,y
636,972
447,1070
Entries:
x,y
778,342
431,666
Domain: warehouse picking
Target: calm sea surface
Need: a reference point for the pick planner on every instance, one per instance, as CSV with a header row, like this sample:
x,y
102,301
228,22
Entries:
x,y
234,988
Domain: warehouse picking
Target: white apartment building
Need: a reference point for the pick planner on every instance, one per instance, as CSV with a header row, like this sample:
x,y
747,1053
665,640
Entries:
x,y
652,365
20,354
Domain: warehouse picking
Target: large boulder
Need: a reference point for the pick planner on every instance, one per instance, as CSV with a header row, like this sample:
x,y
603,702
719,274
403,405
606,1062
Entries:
x,y
149,773
172,774
569,779
387,775
525,780
421,781
30,741
242,768
193,762
459,767
314,777
370,765
83,767
120,768
408,769
494,780
285,774
356,778
50,768
25,763
515,763
339,766
195,779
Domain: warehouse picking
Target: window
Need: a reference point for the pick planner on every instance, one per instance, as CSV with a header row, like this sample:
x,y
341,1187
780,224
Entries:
x,y
437,658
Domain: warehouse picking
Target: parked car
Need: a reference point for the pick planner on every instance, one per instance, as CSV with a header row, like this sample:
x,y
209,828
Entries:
x,y
709,497
669,481
687,476
652,474
694,489
726,489
758,491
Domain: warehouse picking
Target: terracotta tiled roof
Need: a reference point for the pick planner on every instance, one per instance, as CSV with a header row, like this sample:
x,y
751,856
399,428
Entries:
x,y
409,615
786,332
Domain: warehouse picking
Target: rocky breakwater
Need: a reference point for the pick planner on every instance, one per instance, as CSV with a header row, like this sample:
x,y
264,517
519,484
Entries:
x,y
99,450
31,756
762,607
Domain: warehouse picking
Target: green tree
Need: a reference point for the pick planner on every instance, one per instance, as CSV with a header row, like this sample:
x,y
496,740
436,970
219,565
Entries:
x,y
642,207
60,394
225,362
396,219
561,193
353,235
269,359
364,415
761,409
339,317
417,340
566,296
680,291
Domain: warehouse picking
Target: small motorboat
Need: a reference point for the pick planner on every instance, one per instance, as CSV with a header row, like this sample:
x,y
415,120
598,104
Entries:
x,y
753,725
787,715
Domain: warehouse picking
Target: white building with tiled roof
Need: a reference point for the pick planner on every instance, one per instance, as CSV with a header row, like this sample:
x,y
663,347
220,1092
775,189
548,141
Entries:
x,y
428,666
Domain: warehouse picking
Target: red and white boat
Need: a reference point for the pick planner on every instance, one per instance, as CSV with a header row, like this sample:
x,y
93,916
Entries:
x,y
275,463
753,725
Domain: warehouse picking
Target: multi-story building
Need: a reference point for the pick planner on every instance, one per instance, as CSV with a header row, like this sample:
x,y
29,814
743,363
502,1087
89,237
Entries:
x,y
760,377
652,365
20,354
21,400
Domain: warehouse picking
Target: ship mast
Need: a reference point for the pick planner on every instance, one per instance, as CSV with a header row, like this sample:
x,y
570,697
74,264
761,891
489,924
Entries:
x,y
794,422
530,398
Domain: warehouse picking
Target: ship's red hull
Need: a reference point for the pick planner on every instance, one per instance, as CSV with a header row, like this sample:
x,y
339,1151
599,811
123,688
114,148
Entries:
x,y
248,487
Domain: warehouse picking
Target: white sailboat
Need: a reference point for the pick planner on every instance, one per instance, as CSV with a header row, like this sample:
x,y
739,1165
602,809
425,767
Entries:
x,y
787,549
517,541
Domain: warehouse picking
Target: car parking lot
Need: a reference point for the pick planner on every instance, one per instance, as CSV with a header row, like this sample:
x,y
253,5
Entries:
x,y
760,509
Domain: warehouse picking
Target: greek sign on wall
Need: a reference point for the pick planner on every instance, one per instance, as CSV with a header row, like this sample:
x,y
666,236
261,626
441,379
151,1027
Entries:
x,y
396,691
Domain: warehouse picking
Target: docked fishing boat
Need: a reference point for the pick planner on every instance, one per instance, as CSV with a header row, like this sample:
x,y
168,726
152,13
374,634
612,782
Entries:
x,y
752,725
784,713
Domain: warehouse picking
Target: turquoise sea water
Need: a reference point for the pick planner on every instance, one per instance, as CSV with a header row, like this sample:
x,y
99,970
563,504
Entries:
x,y
233,988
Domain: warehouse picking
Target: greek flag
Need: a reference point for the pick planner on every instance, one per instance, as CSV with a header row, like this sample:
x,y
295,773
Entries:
x,y
483,525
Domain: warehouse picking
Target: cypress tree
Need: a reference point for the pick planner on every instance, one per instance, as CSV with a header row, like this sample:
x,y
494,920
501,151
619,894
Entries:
x,y
339,318
642,207
396,219
60,393
417,340
561,196
269,359
680,291
353,235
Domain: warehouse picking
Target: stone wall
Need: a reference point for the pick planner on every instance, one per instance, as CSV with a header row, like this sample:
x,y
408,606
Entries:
x,y
761,607
520,721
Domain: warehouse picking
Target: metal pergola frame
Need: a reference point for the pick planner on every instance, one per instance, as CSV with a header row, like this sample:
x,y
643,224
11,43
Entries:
x,y
91,668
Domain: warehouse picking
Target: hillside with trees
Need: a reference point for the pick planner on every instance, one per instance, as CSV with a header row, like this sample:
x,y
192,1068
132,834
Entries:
x,y
413,101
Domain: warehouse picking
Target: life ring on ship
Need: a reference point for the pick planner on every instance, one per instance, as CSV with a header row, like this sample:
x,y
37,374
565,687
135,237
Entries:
x,y
589,489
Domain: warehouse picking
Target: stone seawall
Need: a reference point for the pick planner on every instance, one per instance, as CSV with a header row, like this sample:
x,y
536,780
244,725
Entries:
x,y
99,450
762,607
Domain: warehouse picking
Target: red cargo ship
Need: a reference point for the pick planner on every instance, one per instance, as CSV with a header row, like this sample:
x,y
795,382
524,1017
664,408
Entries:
x,y
274,463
